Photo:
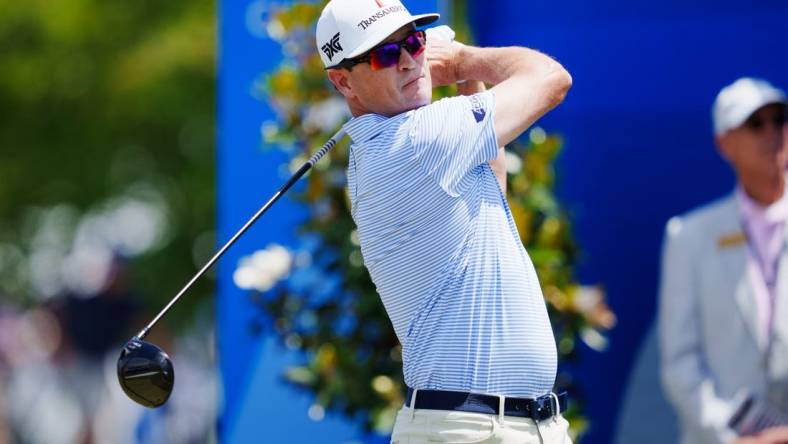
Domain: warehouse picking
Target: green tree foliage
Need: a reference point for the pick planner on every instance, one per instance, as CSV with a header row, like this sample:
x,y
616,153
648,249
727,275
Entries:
x,y
328,307
100,101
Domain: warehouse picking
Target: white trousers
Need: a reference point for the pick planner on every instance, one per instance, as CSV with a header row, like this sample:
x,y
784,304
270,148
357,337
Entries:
x,y
442,426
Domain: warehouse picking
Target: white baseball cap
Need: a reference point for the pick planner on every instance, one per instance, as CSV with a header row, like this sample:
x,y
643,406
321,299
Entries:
x,y
349,28
739,100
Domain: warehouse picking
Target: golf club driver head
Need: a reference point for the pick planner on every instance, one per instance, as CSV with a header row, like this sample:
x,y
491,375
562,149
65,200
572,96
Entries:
x,y
145,373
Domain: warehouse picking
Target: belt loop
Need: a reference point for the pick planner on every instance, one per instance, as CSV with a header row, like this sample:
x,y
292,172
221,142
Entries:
x,y
501,408
413,404
557,411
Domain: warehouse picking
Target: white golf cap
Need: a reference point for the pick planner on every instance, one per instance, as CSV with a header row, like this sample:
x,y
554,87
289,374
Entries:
x,y
739,100
349,28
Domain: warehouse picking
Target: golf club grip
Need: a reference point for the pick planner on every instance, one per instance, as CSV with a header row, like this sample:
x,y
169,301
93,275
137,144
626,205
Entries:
x,y
293,179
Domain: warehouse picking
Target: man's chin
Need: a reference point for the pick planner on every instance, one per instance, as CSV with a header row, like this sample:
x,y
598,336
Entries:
x,y
424,101
423,97
415,102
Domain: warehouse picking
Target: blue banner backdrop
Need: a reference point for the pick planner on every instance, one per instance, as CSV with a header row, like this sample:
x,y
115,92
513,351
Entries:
x,y
639,150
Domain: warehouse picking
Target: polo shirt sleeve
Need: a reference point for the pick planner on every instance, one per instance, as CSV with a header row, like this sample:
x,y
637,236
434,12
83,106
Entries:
x,y
454,138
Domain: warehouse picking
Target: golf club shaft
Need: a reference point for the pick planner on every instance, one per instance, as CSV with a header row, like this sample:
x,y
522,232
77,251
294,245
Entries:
x,y
301,171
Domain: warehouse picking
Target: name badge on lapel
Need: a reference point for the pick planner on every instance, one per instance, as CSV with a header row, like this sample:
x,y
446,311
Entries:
x,y
732,240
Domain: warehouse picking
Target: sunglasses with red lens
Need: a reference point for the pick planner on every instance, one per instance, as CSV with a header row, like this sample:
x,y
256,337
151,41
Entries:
x,y
387,54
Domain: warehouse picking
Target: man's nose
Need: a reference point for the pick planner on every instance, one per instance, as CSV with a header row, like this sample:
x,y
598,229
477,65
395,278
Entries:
x,y
406,61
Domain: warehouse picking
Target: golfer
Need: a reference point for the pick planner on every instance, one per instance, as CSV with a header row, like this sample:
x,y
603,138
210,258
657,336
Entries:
x,y
436,233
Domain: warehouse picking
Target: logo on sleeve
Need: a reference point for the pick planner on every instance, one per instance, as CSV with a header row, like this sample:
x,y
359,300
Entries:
x,y
332,47
477,108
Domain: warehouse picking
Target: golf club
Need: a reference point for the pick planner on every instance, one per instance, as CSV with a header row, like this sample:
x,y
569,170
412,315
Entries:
x,y
145,371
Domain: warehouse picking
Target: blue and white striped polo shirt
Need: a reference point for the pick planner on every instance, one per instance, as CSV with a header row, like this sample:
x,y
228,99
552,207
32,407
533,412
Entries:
x,y
440,244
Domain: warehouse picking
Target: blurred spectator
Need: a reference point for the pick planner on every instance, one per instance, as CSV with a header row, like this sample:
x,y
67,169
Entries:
x,y
723,315
58,381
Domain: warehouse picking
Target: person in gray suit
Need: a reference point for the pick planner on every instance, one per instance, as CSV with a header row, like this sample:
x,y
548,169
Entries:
x,y
723,299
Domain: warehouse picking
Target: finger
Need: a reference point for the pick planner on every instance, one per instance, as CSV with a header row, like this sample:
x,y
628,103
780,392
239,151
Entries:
x,y
440,33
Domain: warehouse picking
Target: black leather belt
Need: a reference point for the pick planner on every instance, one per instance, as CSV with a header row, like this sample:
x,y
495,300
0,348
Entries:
x,y
537,409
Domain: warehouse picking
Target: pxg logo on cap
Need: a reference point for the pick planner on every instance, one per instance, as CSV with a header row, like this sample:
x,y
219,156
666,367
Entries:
x,y
349,28
332,47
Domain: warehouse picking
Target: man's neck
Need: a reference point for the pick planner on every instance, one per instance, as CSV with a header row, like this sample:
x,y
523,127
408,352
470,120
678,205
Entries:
x,y
763,198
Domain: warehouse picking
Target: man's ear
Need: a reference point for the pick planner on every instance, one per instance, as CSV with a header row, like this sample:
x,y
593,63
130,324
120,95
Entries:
x,y
341,80
724,147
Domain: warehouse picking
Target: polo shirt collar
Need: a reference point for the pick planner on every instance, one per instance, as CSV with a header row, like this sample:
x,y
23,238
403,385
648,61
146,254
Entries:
x,y
364,127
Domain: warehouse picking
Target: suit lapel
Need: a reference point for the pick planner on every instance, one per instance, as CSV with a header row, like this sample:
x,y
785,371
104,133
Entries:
x,y
732,252
740,280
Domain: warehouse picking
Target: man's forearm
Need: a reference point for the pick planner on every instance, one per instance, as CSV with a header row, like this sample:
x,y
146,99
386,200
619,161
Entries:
x,y
494,65
527,84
